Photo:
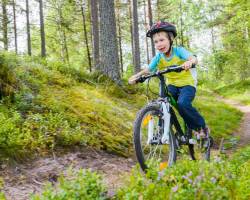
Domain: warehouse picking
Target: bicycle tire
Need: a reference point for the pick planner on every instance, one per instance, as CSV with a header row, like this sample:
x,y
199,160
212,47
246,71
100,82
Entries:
x,y
155,110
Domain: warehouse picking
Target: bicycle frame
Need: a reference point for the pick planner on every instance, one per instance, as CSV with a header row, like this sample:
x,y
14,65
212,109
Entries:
x,y
164,95
182,136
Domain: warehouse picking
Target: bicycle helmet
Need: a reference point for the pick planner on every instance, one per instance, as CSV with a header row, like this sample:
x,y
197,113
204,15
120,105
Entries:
x,y
162,26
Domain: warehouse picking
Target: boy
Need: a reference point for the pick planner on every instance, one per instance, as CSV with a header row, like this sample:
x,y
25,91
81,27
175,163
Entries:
x,y
182,86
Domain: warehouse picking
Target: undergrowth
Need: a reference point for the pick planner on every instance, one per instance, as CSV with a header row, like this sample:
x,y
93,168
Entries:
x,y
82,185
219,179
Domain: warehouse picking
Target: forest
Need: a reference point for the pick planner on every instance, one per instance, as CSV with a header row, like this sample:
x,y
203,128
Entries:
x,y
67,110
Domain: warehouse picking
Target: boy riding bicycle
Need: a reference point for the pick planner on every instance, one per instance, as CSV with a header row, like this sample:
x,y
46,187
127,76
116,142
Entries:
x,y
182,86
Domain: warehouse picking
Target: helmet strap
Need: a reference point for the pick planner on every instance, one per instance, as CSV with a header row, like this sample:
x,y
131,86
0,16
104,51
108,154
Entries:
x,y
171,43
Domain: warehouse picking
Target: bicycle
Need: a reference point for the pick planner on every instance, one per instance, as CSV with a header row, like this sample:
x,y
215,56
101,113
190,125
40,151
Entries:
x,y
158,135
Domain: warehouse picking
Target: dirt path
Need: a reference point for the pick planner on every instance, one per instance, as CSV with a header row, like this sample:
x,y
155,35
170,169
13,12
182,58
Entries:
x,y
244,130
21,180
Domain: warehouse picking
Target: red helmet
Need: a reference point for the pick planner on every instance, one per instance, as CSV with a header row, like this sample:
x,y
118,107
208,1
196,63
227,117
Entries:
x,y
162,26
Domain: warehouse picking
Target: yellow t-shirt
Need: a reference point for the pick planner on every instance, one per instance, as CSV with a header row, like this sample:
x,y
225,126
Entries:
x,y
178,57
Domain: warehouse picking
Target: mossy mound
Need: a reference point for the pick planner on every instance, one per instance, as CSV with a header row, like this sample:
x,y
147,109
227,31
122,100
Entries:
x,y
52,109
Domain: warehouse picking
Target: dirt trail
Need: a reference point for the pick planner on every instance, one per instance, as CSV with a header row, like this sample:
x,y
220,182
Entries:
x,y
244,130
21,180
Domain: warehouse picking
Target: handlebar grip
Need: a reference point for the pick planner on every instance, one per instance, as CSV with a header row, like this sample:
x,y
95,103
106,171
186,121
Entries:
x,y
140,79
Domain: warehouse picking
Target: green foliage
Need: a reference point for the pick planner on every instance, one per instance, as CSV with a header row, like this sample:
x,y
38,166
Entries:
x,y
37,133
84,185
65,40
230,60
219,179
2,196
12,137
239,91
8,81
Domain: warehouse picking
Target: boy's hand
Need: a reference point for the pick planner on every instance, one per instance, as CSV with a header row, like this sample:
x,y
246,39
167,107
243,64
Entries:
x,y
132,79
187,65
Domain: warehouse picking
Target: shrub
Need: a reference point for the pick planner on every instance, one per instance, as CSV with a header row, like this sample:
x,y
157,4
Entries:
x,y
219,179
85,185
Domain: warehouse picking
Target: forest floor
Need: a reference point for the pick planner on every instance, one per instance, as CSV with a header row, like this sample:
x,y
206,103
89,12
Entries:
x,y
21,180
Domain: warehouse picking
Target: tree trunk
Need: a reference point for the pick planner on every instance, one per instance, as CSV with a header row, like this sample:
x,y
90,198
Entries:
x,y
95,33
15,27
28,27
146,25
5,25
86,36
181,24
119,36
43,44
62,35
131,29
136,45
108,41
65,45
150,17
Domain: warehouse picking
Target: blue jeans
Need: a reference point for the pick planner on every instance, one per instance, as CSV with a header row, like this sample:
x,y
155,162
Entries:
x,y
184,97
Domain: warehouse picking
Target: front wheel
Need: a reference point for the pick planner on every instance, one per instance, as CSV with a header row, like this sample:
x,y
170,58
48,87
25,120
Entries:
x,y
148,131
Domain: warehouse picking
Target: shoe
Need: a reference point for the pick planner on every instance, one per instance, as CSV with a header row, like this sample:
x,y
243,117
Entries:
x,y
203,138
202,133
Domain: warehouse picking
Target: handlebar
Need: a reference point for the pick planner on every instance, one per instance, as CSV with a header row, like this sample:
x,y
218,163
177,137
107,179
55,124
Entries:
x,y
173,68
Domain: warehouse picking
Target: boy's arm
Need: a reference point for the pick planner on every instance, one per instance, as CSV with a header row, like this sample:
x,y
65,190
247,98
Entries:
x,y
133,78
188,56
151,67
193,59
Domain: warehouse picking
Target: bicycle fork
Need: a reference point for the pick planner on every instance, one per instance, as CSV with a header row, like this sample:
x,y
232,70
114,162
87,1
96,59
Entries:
x,y
166,117
162,136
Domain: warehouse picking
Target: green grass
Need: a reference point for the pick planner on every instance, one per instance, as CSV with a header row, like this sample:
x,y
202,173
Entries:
x,y
222,119
238,91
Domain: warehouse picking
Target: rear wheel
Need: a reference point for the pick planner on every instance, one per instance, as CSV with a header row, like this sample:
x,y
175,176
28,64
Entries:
x,y
148,131
201,150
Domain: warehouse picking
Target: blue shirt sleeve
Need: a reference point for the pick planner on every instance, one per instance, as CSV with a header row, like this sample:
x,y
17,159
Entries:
x,y
183,53
154,62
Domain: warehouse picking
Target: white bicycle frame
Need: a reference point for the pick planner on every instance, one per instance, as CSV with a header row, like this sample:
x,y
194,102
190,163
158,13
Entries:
x,y
166,118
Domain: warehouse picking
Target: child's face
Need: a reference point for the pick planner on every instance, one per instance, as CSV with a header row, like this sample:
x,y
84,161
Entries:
x,y
161,42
